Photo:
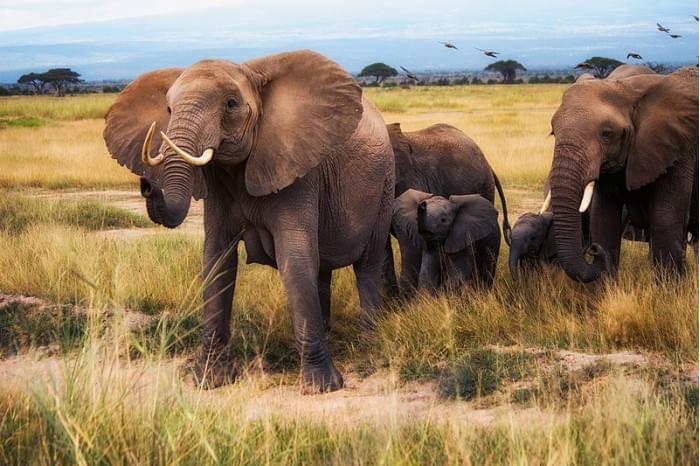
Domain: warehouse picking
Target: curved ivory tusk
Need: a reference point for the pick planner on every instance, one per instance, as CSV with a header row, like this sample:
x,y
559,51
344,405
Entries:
x,y
146,149
196,161
587,196
547,202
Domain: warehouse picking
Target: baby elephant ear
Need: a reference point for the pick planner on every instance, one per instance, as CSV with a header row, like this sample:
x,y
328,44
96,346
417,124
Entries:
x,y
476,218
405,216
310,107
665,124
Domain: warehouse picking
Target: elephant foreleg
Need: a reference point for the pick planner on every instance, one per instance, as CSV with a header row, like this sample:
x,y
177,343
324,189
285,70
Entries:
x,y
298,262
219,277
390,287
606,225
669,213
410,267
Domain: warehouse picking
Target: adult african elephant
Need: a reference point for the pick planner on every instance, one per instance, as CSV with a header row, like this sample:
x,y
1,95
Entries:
x,y
292,157
632,141
441,160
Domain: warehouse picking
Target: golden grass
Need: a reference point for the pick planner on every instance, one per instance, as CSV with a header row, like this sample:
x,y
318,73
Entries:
x,y
71,108
510,123
59,155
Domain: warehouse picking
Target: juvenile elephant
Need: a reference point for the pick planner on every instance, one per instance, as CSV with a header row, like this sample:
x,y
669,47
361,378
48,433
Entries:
x,y
444,161
457,237
633,142
293,158
533,241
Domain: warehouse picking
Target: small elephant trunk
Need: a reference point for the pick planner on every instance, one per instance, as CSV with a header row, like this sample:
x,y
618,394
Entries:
x,y
513,263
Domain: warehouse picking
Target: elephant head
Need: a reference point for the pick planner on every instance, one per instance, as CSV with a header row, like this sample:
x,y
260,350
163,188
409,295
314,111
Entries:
x,y
635,127
528,239
436,224
279,115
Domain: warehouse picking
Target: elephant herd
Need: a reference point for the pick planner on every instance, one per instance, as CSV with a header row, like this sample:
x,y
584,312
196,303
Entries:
x,y
293,160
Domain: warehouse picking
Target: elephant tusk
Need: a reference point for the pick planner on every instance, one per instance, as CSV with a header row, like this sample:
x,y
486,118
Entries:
x,y
196,161
146,149
547,202
587,196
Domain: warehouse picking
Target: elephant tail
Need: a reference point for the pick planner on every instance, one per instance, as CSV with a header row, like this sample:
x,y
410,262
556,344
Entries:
x,y
506,223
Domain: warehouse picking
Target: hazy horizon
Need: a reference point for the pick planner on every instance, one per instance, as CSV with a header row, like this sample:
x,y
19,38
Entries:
x,y
103,42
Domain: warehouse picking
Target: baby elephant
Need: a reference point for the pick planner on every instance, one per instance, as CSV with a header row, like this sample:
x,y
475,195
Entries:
x,y
532,242
457,239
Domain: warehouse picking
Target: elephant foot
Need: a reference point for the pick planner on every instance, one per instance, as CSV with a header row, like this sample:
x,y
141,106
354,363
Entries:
x,y
213,373
322,379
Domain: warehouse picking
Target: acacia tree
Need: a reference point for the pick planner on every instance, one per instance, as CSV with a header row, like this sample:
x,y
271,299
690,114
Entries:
x,y
600,67
379,71
506,68
59,78
36,80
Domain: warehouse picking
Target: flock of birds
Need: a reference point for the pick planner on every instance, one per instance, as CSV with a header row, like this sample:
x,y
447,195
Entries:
x,y
494,54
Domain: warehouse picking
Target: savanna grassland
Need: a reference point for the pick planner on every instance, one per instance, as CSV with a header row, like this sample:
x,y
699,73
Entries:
x,y
99,325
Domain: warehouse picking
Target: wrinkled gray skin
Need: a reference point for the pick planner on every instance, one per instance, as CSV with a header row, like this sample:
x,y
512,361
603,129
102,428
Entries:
x,y
458,238
444,161
636,136
303,167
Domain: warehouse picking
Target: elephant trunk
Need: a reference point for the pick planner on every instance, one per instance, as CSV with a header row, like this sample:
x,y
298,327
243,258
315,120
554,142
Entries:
x,y
569,175
514,261
168,204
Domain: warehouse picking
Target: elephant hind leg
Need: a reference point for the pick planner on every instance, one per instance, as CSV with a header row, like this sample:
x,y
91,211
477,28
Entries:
x,y
324,296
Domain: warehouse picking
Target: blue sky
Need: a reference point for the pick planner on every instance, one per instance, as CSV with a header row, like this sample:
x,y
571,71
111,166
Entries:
x,y
107,39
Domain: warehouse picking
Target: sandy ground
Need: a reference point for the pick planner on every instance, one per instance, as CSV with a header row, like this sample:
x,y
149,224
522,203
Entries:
x,y
378,398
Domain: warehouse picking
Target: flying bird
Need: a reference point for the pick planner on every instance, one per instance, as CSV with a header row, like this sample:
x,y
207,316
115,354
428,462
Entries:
x,y
675,36
661,28
489,53
449,45
409,74
696,18
636,56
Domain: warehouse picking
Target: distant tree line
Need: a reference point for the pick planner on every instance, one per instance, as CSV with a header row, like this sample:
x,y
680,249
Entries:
x,y
56,79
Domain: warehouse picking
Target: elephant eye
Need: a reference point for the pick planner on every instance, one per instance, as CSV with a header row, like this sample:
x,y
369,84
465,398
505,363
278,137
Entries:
x,y
607,133
231,103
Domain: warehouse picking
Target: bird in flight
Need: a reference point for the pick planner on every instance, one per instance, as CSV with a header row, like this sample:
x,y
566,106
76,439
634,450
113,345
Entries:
x,y
661,28
696,18
449,45
409,74
488,53
636,56
675,36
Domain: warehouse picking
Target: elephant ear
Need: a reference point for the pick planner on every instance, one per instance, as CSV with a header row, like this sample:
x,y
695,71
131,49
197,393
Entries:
x,y
476,218
310,106
405,215
666,127
127,121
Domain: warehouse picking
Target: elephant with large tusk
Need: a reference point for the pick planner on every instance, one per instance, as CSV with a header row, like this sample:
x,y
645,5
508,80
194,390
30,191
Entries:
x,y
288,156
628,140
